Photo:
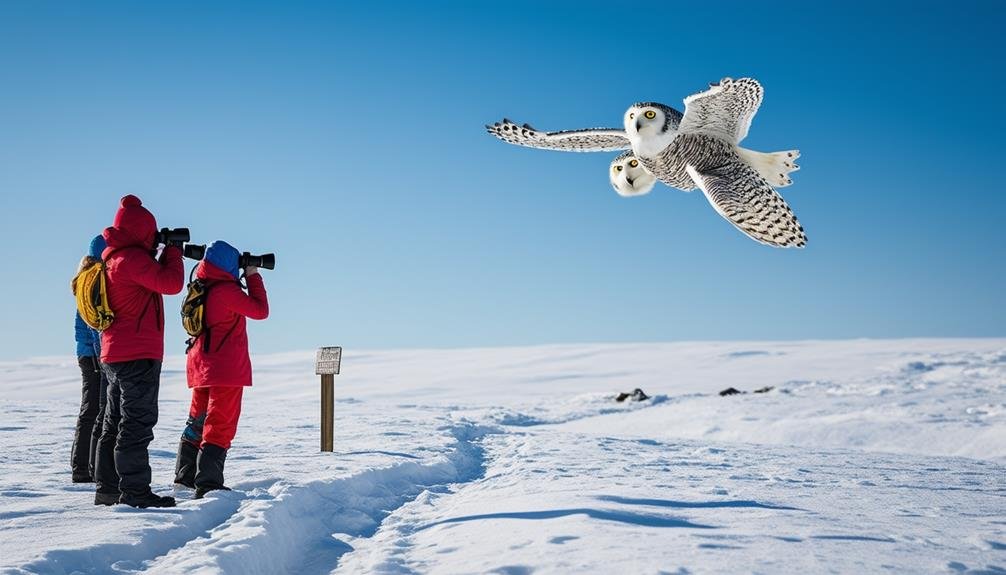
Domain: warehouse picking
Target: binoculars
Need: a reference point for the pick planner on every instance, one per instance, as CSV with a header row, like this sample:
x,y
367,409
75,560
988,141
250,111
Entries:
x,y
267,261
168,236
180,237
194,251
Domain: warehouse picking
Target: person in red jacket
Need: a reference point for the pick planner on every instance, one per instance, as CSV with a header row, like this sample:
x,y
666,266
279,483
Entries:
x,y
218,367
132,349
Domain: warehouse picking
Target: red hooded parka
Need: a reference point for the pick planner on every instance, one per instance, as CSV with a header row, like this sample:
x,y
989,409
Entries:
x,y
135,282
222,359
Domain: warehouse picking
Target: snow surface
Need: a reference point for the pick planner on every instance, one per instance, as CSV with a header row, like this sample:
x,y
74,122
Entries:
x,y
867,456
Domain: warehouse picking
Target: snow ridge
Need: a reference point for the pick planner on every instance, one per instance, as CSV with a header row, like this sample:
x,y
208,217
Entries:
x,y
282,528
306,528
179,525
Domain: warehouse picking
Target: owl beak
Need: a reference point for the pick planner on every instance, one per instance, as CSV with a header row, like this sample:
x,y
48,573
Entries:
x,y
630,180
639,125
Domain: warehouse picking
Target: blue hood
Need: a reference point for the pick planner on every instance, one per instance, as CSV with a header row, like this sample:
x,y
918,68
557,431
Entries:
x,y
224,256
97,246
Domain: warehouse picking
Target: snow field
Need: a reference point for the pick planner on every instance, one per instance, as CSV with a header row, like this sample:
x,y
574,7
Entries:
x,y
868,456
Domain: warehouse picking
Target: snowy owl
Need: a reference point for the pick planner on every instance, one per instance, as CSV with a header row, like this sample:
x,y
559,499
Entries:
x,y
629,177
696,149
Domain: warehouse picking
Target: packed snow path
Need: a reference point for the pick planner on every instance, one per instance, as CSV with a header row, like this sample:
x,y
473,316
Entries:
x,y
518,461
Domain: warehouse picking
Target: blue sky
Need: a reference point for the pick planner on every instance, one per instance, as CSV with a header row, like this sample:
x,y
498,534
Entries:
x,y
348,139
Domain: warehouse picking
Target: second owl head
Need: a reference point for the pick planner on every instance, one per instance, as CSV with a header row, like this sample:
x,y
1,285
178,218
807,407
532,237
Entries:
x,y
629,177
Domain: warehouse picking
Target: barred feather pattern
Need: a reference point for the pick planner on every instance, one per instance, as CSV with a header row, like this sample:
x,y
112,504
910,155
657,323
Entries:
x,y
724,110
696,149
734,189
586,140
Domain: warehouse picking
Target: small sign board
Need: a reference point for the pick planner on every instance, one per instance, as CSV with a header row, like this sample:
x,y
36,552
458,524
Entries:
x,y
328,360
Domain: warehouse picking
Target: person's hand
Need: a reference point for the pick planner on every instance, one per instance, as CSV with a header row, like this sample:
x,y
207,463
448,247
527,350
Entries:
x,y
251,270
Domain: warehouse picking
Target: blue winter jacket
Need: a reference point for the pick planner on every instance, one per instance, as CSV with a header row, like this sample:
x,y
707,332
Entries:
x,y
88,339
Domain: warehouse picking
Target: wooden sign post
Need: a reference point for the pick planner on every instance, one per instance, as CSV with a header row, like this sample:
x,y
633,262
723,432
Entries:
x,y
327,366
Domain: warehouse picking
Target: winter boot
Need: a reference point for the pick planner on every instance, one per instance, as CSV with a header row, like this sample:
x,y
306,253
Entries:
x,y
102,498
185,464
82,478
148,499
210,469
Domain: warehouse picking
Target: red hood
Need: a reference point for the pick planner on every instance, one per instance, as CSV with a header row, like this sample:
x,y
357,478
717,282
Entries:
x,y
207,271
134,225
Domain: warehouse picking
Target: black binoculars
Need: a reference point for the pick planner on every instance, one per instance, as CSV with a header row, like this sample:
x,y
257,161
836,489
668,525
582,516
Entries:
x,y
267,261
194,251
168,236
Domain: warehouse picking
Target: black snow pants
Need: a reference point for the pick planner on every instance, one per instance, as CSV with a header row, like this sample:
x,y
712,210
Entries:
x,y
131,413
89,420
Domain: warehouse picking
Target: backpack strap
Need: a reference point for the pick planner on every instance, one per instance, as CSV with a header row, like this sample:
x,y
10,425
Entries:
x,y
204,336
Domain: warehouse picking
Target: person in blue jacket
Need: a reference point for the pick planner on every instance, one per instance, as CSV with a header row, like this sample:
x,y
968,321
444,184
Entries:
x,y
92,397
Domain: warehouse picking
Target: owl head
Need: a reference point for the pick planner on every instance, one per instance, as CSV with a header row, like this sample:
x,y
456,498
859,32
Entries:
x,y
650,124
629,177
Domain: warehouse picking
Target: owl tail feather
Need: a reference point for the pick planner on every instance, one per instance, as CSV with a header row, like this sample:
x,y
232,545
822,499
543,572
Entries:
x,y
775,167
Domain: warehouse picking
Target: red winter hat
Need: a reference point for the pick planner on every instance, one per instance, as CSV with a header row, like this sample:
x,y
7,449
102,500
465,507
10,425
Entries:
x,y
135,220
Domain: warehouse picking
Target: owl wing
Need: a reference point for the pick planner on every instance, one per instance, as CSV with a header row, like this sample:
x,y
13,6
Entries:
x,y
588,140
724,110
748,202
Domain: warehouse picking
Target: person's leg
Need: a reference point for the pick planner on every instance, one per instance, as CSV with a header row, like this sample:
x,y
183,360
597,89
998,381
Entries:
x,y
99,421
139,382
105,477
192,437
81,451
222,413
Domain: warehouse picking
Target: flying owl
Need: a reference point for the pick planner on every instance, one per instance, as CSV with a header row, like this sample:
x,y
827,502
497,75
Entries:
x,y
697,149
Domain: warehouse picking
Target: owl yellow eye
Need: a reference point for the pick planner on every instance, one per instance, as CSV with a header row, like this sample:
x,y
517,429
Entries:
x,y
634,163
650,114
632,115
618,168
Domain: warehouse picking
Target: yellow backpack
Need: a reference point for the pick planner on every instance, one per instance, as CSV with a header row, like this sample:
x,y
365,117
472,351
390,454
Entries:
x,y
194,308
92,297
